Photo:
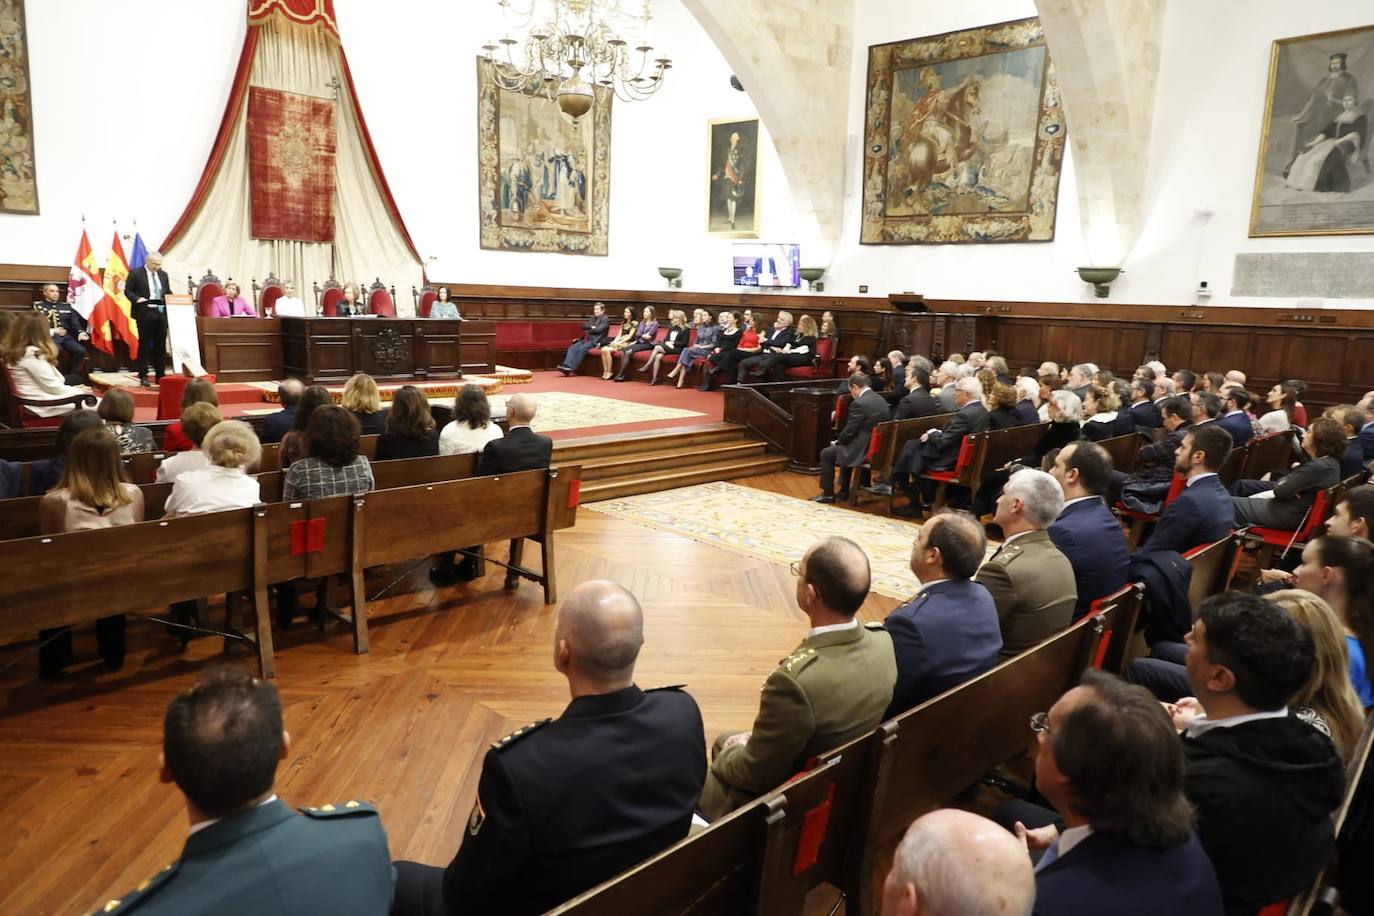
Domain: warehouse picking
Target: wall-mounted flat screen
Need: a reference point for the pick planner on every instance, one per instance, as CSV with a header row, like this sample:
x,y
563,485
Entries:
x,y
766,264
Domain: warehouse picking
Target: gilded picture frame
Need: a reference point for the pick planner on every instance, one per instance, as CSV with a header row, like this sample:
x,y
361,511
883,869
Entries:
x,y
1315,172
18,175
964,138
732,183
544,182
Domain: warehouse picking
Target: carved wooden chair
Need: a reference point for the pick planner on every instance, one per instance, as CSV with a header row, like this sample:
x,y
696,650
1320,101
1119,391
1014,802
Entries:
x,y
328,295
381,300
266,295
204,292
424,298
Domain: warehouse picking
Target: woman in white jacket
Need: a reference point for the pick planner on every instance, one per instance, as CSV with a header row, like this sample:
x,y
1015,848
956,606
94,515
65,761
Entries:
x,y
32,358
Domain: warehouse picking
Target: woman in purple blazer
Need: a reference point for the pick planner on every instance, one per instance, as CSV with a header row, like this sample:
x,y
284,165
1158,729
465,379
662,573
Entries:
x,y
231,304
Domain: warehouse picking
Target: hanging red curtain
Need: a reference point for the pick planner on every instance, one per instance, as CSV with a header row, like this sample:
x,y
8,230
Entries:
x,y
291,147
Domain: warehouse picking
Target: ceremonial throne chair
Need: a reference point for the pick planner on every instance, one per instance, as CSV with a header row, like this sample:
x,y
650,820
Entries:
x,y
204,292
328,295
381,300
266,295
424,297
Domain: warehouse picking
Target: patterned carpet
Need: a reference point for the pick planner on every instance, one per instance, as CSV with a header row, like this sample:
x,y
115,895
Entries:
x,y
773,527
565,410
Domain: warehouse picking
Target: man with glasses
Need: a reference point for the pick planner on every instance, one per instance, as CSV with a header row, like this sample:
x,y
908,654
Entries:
x,y
1143,408
832,689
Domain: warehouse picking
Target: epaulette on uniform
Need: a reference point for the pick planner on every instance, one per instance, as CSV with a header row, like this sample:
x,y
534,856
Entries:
x,y
503,743
666,687
342,809
798,660
874,625
136,896
1008,553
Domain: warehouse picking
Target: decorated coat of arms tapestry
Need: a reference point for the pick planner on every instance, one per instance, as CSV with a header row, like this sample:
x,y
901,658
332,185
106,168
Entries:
x,y
291,144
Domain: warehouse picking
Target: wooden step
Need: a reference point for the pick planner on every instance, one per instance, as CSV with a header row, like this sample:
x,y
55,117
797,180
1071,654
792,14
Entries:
x,y
664,459
575,451
654,481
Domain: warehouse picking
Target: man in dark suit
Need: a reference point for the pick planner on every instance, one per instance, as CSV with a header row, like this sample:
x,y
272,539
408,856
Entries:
x,y
771,344
1143,408
1352,418
1111,764
520,449
866,410
1233,417
277,425
1367,430
147,290
68,327
917,402
948,633
938,449
1206,407
247,851
1155,461
1204,512
564,804
1086,531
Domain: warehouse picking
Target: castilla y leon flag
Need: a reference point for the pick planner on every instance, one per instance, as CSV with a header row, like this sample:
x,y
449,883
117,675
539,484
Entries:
x,y
84,291
119,321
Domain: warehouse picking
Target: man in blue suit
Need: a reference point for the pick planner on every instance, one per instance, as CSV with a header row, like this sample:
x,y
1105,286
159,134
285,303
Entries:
x,y
949,633
1144,410
1086,531
1367,430
1233,418
277,425
1204,511
1111,764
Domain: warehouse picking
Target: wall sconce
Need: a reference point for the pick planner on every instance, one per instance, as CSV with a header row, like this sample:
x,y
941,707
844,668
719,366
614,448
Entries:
x,y
673,275
812,276
1100,278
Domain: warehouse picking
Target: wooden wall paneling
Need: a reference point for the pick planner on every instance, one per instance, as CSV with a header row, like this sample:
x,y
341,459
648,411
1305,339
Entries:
x,y
1177,349
1265,365
1020,341
1322,359
1359,361
1131,346
1222,348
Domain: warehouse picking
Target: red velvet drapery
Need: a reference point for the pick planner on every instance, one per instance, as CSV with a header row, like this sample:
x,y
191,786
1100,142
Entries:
x,y
305,12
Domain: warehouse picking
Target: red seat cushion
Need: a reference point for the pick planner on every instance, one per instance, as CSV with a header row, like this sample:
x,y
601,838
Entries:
x,y
206,294
426,302
329,302
379,303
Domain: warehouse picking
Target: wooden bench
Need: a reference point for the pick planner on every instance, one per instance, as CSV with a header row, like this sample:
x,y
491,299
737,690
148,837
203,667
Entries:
x,y
1213,566
1267,453
1314,523
1124,450
982,454
1119,612
885,445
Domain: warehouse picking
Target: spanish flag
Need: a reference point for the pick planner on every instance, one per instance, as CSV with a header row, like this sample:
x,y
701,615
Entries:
x,y
119,321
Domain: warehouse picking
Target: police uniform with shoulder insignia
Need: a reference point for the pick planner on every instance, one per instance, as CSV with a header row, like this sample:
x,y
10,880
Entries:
x,y
832,689
1032,583
564,804
60,314
271,860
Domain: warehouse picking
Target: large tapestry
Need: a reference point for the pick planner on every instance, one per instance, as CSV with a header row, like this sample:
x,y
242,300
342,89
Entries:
x,y
963,138
1314,172
291,144
18,187
544,181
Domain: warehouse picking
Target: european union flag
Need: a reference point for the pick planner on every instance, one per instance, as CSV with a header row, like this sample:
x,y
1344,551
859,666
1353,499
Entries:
x,y
140,253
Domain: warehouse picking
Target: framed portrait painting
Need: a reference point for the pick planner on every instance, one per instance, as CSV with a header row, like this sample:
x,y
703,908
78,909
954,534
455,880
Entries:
x,y
963,138
732,207
544,180
1314,172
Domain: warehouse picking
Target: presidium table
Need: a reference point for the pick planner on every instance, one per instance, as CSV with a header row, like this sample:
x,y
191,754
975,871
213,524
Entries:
x,y
331,349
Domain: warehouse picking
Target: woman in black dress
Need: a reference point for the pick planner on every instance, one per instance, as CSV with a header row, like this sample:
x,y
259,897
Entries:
x,y
727,343
410,428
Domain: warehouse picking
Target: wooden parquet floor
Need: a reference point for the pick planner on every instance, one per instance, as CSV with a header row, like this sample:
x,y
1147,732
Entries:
x,y
404,727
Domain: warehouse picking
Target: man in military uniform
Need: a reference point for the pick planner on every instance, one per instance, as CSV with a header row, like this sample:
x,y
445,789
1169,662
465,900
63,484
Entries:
x,y
832,689
1031,581
67,325
248,852
564,804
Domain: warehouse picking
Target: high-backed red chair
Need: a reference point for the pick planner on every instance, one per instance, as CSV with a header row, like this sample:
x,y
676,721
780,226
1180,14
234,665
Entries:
x,y
822,367
380,300
205,292
169,392
265,296
328,295
424,298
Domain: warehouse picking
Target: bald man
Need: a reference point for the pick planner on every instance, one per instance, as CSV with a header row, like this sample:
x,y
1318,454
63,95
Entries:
x,y
520,449
953,861
833,688
564,804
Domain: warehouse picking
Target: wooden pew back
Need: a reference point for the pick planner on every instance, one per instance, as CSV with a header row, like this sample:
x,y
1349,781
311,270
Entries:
x,y
1211,568
1124,451
897,433
1272,452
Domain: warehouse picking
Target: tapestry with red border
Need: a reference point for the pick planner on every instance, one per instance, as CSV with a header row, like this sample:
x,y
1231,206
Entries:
x,y
291,146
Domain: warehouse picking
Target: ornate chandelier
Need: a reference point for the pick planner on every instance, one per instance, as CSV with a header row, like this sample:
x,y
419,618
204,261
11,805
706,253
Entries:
x,y
571,45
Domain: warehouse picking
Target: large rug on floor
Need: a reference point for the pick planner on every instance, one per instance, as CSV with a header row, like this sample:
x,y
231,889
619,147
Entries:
x,y
565,410
773,527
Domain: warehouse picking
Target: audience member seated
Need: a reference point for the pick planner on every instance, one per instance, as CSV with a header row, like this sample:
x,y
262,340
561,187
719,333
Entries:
x,y
1156,460
945,377
1031,582
1234,418
1144,411
1203,511
1284,505
332,466
117,410
231,304
91,494
1110,763
350,304
1080,379
69,331
645,339
231,448
672,344
849,449
520,449
196,421
247,851
771,345
1351,419
955,862
197,391
1206,407
860,364
443,306
1185,381
32,359
1282,400
796,353
833,688
1340,570
1299,410
410,428
1028,400
1104,417
595,333
362,399
948,633
624,338
1264,782
46,472
564,804
724,363
276,426
917,402
1367,430
1086,532
472,427
1354,513
703,345
1001,404
938,449
293,443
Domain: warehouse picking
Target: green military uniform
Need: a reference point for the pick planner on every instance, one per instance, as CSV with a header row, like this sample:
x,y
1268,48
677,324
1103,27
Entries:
x,y
271,861
1033,586
832,689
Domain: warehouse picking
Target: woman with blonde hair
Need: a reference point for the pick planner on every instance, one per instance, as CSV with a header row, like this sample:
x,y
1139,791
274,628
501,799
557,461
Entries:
x,y
623,338
1001,404
29,352
350,304
231,448
1105,418
645,337
196,422
1328,700
91,494
672,345
362,399
708,335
